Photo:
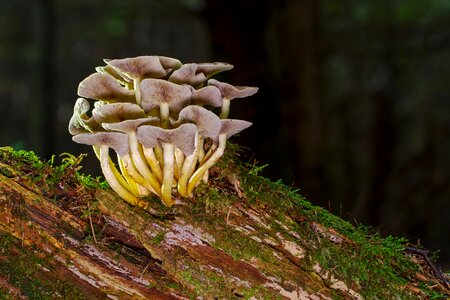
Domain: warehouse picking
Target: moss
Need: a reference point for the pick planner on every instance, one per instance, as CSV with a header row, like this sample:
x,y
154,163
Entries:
x,y
25,270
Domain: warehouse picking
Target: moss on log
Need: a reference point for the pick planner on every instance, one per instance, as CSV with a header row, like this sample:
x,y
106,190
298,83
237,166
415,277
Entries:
x,y
66,235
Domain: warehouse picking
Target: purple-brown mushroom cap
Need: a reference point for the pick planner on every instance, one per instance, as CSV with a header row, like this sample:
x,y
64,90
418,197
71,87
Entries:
x,y
104,87
182,137
115,140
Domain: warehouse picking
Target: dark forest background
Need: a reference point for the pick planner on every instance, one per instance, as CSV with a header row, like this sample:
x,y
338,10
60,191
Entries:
x,y
354,100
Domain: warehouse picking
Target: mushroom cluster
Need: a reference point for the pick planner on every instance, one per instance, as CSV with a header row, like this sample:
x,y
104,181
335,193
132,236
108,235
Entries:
x,y
157,115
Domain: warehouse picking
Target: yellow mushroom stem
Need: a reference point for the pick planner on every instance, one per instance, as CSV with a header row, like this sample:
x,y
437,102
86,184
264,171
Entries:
x,y
123,181
166,188
112,179
141,165
188,168
225,110
153,162
207,164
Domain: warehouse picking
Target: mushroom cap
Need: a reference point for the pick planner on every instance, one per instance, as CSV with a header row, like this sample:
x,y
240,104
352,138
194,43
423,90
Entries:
x,y
208,95
211,69
115,140
231,127
104,87
208,123
143,66
182,137
157,91
117,112
80,122
128,126
110,70
230,92
188,74
195,74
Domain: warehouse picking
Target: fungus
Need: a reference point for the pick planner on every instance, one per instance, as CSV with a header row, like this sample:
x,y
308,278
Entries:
x,y
155,113
129,127
135,69
170,98
80,122
229,127
208,126
104,87
196,74
182,138
118,142
230,92
117,112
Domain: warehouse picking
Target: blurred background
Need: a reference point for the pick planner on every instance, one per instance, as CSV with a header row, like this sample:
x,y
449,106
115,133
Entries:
x,y
354,100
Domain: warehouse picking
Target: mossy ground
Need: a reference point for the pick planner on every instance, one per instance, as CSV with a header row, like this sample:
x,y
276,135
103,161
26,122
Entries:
x,y
375,266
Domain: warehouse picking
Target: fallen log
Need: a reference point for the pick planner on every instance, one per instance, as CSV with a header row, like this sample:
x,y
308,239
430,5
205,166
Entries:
x,y
66,235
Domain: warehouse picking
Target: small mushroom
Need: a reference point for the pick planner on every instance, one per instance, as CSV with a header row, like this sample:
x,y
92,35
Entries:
x,y
130,127
182,138
80,122
230,92
118,142
104,87
135,69
168,96
117,112
229,127
208,95
196,74
208,126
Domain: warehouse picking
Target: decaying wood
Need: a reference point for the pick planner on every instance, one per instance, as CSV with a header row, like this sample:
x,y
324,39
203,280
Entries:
x,y
155,251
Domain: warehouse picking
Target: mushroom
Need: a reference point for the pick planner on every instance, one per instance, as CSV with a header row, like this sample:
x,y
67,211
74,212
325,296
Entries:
x,y
80,122
135,69
130,127
104,87
229,127
117,112
196,74
170,98
230,92
182,138
208,95
118,142
208,126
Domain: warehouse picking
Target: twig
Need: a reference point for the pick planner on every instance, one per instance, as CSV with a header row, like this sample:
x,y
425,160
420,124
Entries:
x,y
90,222
424,253
143,272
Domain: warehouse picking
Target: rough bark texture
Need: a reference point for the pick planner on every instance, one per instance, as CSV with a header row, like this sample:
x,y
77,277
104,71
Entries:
x,y
60,239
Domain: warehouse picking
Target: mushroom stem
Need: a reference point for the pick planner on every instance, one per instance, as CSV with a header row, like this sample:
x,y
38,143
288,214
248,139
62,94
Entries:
x,y
112,179
225,110
201,150
166,188
188,169
164,115
136,176
207,164
159,156
141,164
131,185
123,178
179,160
208,154
150,156
137,91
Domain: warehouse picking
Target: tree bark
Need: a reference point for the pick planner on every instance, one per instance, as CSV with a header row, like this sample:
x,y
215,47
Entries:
x,y
81,243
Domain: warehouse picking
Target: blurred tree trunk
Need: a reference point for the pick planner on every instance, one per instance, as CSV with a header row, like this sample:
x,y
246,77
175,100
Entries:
x,y
298,45
48,107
